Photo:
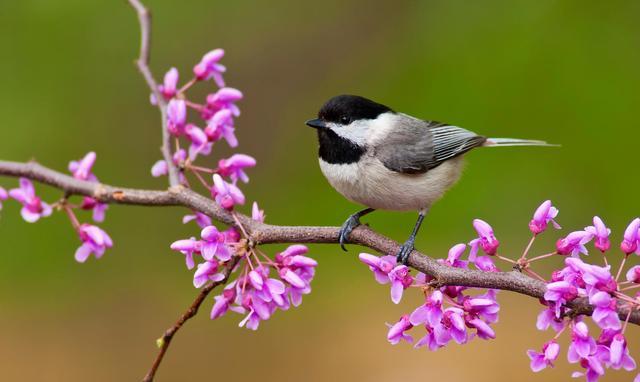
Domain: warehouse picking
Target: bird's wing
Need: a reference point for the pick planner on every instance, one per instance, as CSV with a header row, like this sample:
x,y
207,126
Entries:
x,y
423,145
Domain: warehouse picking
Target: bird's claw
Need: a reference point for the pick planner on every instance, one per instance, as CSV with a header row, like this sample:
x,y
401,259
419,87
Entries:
x,y
405,251
348,226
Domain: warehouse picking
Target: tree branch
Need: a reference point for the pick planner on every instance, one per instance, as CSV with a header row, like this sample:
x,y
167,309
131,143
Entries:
x,y
144,18
166,338
261,233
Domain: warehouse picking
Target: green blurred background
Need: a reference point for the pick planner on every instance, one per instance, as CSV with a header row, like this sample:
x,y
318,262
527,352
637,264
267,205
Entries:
x,y
564,71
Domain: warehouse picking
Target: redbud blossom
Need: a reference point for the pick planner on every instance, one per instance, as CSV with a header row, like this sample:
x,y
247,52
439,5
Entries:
x,y
200,144
256,213
188,248
176,116
221,125
486,239
633,275
224,98
631,236
201,219
226,194
213,244
169,87
582,345
94,240
82,169
234,166
543,215
397,331
33,208
573,243
207,271
160,168
209,67
601,234
549,354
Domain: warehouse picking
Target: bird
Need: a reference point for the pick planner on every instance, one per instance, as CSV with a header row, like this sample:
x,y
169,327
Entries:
x,y
387,160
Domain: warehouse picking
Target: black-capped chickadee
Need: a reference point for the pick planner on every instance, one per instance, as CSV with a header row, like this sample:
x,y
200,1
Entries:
x,y
387,160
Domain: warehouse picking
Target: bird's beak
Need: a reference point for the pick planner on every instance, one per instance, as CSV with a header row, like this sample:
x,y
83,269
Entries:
x,y
316,123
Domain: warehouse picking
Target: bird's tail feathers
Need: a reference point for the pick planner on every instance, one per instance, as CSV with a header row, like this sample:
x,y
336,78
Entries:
x,y
515,142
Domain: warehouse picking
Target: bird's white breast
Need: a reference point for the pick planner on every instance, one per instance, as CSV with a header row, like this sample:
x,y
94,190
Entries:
x,y
370,183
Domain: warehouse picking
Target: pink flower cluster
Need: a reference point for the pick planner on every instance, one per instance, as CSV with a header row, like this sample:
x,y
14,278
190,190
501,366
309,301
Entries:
x,y
93,239
602,289
448,313
254,293
217,114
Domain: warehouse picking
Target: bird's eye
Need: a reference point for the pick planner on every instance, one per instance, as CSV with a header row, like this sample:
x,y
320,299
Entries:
x,y
345,120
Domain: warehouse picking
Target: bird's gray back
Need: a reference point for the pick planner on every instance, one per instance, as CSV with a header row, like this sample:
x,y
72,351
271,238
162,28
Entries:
x,y
419,146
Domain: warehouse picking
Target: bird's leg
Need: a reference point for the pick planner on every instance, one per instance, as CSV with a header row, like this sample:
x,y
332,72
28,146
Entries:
x,y
407,247
352,222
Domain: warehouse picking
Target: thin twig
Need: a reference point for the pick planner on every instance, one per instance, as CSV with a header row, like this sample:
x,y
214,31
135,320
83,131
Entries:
x,y
166,338
144,18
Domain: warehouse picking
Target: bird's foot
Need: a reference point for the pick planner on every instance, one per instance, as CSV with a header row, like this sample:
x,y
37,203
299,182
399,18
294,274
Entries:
x,y
405,251
352,222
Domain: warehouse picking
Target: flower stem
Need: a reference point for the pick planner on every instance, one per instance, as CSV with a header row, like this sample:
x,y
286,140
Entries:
x,y
624,259
542,257
526,250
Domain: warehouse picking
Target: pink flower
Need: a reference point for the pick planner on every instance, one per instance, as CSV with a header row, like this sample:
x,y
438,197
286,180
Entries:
x,y
543,215
385,270
98,208
430,312
483,330
32,207
223,301
453,257
234,166
207,271
601,234
209,67
559,292
619,353
3,196
451,326
547,318
256,213
226,194
160,167
549,354
400,280
397,331
201,219
221,126
82,169
176,116
213,244
200,144
94,240
224,98
486,239
188,248
633,275
169,86
380,266
631,236
582,345
573,243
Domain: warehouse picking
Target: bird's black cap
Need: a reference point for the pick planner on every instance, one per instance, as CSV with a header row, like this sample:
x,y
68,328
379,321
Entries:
x,y
346,108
